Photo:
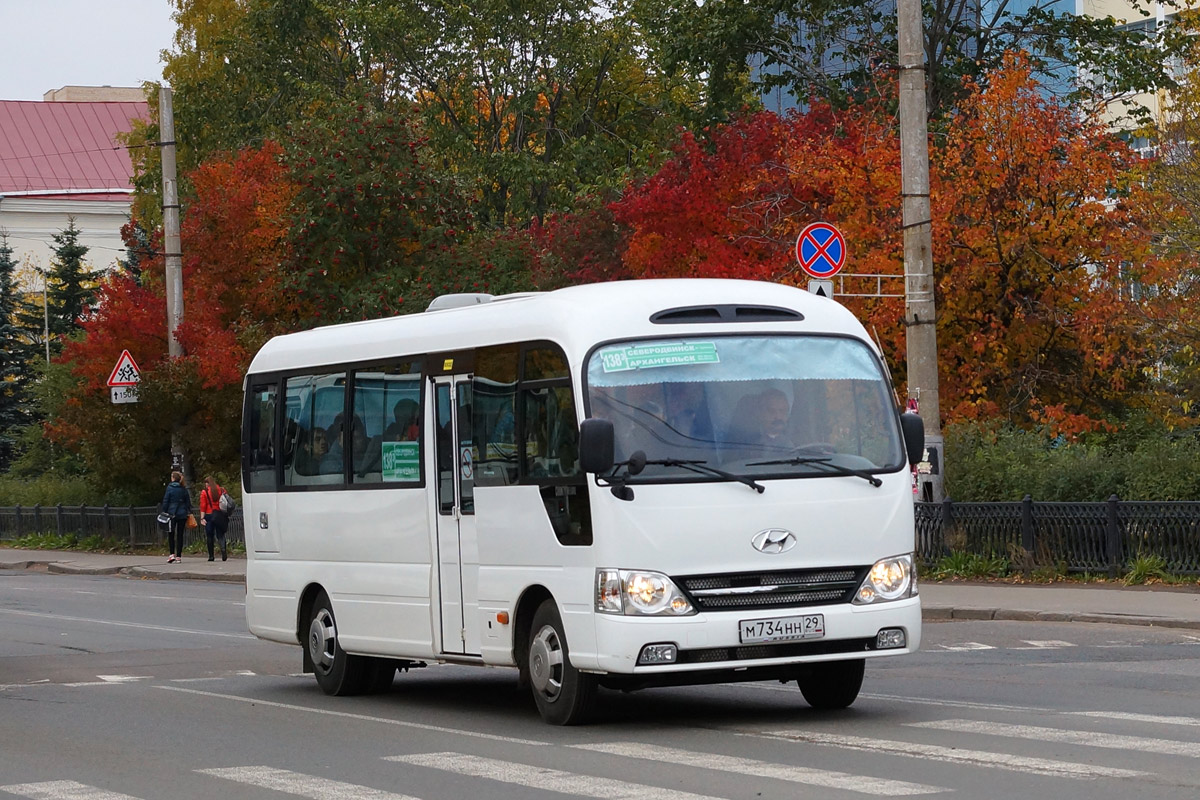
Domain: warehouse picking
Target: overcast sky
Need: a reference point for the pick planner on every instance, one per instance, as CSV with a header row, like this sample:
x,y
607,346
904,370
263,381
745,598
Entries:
x,y
48,44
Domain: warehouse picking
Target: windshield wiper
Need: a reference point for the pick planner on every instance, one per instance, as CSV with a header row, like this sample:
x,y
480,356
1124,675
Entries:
x,y
821,461
703,468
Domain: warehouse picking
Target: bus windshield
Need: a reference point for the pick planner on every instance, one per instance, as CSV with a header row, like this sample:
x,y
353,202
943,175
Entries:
x,y
761,406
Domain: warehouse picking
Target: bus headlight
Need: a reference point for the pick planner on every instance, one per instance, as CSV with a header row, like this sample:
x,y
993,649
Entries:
x,y
889,579
639,593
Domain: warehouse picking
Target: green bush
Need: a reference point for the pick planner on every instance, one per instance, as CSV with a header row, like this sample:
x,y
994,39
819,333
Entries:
x,y
46,490
995,461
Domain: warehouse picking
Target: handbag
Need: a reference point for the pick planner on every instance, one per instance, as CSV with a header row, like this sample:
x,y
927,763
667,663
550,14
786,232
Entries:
x,y
191,521
164,518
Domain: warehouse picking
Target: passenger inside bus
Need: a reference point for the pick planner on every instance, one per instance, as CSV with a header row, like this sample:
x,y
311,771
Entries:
x,y
332,460
313,448
406,426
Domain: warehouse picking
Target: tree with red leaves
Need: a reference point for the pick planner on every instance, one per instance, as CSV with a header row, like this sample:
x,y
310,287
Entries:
x,y
234,243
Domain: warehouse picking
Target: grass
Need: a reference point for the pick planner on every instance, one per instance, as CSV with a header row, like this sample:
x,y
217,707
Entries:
x,y
1147,569
961,565
98,544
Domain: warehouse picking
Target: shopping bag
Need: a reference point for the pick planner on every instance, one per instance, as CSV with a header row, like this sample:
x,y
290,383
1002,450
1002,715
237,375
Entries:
x,y
191,521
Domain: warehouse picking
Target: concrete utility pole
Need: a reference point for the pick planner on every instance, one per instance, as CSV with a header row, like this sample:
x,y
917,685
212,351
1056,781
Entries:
x,y
170,211
172,255
920,316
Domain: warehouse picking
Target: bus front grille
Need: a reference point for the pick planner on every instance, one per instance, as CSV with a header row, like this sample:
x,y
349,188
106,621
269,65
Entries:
x,y
744,591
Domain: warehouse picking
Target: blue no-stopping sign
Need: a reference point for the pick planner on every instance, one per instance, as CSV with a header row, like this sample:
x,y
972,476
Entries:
x,y
821,250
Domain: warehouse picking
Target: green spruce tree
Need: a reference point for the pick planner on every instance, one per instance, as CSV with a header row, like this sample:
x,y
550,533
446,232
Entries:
x,y
13,367
72,286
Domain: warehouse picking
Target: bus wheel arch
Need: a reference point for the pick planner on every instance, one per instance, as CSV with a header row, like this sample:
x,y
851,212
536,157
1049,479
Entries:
x,y
531,599
303,617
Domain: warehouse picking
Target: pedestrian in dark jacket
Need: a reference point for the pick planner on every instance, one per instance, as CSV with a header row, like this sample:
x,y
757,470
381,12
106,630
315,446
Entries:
x,y
176,504
214,519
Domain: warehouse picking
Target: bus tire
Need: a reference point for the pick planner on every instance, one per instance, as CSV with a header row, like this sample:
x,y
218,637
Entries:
x,y
831,685
382,675
337,672
564,695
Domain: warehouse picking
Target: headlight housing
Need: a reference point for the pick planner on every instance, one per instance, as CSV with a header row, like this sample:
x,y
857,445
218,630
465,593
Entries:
x,y
889,579
639,593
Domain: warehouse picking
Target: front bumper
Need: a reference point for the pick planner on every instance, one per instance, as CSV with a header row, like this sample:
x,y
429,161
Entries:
x,y
709,642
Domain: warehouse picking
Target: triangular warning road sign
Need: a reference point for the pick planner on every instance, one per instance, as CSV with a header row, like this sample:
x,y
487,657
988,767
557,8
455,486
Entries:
x,y
126,372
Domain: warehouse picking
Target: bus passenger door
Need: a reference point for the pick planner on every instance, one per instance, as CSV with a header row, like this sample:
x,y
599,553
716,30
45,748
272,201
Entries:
x,y
457,545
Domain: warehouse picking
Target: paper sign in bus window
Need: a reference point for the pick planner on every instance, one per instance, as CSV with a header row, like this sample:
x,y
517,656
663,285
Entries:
x,y
401,461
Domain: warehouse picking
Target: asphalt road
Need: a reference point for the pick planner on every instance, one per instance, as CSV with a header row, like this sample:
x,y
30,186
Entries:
x,y
113,688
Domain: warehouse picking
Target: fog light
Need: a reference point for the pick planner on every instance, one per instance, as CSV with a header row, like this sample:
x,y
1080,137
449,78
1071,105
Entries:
x,y
658,654
889,638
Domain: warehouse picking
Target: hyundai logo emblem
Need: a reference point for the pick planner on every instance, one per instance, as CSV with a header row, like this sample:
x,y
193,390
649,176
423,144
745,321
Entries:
x,y
773,540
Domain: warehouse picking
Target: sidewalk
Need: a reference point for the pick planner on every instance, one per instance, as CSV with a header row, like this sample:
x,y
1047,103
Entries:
x,y
1062,602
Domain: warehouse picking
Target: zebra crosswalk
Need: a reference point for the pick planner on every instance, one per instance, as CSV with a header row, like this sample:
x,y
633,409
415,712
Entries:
x,y
630,769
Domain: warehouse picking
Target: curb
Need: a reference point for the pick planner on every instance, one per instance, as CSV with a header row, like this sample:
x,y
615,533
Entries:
x,y
64,569
943,613
154,573
143,572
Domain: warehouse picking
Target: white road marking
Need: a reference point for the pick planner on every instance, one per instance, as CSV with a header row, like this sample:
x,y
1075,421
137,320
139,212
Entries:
x,y
63,618
1154,718
551,780
966,646
1048,644
62,790
348,715
1089,738
282,780
90,683
762,769
122,678
929,701
958,755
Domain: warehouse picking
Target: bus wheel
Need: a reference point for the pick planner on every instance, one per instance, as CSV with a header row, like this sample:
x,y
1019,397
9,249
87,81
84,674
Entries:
x,y
338,673
564,695
831,685
381,676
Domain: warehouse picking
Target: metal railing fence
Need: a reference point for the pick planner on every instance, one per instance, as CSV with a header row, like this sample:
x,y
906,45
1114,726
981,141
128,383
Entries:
x,y
1083,537
1101,537
134,526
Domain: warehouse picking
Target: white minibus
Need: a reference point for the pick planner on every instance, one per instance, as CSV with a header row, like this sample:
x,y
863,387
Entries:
x,y
615,486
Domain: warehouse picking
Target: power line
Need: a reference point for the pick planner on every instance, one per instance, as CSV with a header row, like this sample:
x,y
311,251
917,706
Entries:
x,y
80,152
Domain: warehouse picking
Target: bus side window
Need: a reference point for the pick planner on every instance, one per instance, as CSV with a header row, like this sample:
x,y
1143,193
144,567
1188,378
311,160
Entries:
x,y
494,421
550,447
313,439
387,402
262,401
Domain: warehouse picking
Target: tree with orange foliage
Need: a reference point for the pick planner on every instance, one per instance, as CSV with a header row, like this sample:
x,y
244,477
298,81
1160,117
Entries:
x,y
1045,260
1043,248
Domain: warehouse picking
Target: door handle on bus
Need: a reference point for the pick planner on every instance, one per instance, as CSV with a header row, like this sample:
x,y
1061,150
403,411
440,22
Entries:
x,y
262,520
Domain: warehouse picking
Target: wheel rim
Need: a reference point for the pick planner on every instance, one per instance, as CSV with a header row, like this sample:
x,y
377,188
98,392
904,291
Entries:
x,y
546,663
322,640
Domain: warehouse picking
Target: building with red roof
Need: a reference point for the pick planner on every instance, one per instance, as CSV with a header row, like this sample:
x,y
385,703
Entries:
x,y
60,158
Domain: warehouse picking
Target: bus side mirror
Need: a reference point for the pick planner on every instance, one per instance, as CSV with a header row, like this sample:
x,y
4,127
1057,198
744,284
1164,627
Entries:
x,y
596,445
914,436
